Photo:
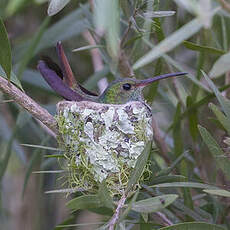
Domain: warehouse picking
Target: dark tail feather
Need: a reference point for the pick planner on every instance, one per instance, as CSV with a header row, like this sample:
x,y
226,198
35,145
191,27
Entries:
x,y
69,78
57,84
52,65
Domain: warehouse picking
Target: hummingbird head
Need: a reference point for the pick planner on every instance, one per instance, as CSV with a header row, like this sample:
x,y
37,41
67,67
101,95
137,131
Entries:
x,y
124,90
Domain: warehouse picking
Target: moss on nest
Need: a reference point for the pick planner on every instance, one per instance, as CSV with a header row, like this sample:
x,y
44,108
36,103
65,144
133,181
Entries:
x,y
102,142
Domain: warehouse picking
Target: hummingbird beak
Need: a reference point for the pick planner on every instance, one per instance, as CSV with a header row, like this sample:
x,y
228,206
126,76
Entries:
x,y
143,83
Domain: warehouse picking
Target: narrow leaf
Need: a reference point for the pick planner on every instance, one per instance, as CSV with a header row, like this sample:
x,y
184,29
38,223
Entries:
x,y
64,190
177,137
201,48
90,47
104,195
56,5
140,165
13,78
216,151
158,14
170,42
193,119
218,192
106,17
84,202
221,66
184,184
5,51
194,226
221,117
42,147
154,204
224,102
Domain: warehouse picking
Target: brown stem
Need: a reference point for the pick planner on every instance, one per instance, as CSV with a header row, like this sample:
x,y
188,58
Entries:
x,y
29,104
225,5
115,216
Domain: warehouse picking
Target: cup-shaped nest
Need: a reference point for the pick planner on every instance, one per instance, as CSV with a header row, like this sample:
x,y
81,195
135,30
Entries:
x,y
103,141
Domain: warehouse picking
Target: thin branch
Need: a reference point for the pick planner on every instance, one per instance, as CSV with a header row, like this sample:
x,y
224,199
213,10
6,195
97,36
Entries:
x,y
164,218
225,5
115,216
29,104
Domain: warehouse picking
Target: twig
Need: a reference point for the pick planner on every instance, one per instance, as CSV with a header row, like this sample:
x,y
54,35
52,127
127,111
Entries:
x,y
125,34
164,218
225,5
115,216
46,129
29,104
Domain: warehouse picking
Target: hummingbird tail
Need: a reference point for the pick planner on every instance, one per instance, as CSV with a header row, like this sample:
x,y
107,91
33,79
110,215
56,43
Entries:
x,y
57,84
69,78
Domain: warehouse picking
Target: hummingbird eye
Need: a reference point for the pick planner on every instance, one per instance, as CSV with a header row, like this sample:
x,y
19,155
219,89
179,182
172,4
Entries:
x,y
126,86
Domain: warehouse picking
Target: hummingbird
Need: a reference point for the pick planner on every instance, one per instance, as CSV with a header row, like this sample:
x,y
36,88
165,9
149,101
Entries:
x,y
120,91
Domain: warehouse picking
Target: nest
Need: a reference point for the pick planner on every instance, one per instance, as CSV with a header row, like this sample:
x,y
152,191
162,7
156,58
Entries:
x,y
102,141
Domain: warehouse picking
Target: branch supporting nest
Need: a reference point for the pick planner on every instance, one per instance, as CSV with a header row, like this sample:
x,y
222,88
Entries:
x,y
29,104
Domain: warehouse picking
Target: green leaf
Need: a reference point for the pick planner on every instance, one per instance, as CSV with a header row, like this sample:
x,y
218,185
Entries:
x,y
194,226
85,202
104,196
216,151
5,51
128,209
221,117
13,78
34,160
56,5
64,190
67,221
139,167
22,119
190,76
224,102
198,104
166,171
90,47
177,137
154,204
200,48
49,171
42,147
15,5
185,185
7,153
218,192
106,17
193,119
158,14
167,179
221,66
170,42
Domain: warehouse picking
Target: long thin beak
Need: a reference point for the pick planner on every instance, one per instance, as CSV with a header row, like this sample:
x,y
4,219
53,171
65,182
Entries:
x,y
157,78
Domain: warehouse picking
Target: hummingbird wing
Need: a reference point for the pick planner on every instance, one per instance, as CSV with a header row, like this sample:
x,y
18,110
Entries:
x,y
56,83
69,78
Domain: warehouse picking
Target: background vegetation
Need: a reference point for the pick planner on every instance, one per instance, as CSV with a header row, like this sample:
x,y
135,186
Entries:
x,y
191,114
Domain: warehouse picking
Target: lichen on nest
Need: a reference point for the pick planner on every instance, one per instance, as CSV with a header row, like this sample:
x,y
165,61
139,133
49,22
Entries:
x,y
102,142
